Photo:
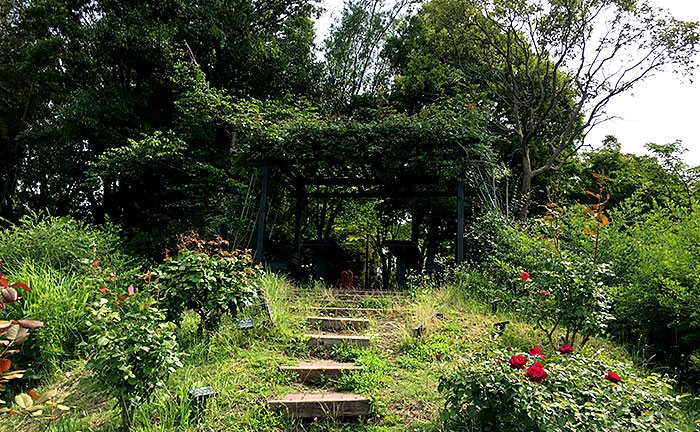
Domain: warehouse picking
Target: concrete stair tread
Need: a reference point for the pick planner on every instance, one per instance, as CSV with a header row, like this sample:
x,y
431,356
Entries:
x,y
333,339
344,319
355,310
323,364
318,370
337,323
311,405
310,397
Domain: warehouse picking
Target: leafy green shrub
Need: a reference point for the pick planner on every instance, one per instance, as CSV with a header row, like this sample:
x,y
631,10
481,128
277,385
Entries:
x,y
207,279
135,347
60,243
656,291
58,300
489,390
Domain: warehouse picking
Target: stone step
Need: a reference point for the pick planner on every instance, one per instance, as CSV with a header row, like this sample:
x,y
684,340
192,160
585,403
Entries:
x,y
315,371
330,339
338,323
353,311
311,405
362,293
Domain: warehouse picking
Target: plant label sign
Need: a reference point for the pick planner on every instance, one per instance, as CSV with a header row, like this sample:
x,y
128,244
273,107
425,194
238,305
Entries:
x,y
246,323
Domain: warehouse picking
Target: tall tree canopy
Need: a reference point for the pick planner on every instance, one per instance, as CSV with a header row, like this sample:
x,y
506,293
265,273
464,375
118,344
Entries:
x,y
545,69
84,77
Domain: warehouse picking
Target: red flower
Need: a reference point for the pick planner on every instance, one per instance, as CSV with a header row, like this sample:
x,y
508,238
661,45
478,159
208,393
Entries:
x,y
544,292
538,365
536,351
437,356
517,362
536,373
525,276
566,349
613,377
509,348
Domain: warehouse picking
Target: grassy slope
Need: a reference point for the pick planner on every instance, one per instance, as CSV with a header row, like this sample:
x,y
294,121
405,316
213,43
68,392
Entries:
x,y
401,372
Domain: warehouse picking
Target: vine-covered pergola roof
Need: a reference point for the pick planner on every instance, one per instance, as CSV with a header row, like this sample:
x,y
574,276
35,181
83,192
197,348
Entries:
x,y
396,156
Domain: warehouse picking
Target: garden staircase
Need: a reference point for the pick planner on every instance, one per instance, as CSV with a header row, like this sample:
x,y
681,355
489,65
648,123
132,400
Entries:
x,y
324,321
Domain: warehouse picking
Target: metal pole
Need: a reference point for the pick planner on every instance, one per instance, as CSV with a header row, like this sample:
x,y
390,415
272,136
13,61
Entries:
x,y
259,251
460,222
300,201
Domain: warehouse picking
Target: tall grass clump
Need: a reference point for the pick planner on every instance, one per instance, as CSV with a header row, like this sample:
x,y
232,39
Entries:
x,y
60,243
57,300
51,255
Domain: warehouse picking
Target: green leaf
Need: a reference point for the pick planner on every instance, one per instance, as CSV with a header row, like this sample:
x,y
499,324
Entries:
x,y
24,400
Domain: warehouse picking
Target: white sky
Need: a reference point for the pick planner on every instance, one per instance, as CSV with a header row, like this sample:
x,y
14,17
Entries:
x,y
662,109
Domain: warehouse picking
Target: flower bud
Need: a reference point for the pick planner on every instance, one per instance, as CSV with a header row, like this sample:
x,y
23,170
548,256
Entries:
x,y
9,294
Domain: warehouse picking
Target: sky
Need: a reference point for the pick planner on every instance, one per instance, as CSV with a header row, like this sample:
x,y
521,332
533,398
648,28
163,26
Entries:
x,y
662,109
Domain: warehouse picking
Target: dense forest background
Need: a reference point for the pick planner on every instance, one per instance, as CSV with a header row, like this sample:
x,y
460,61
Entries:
x,y
143,118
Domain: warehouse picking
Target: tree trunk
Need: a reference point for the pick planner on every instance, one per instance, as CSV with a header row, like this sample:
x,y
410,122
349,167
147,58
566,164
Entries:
x,y
526,186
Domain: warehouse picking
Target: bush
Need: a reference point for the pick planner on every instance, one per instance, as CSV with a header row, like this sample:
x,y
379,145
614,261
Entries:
x,y
207,279
135,346
656,291
60,244
487,391
59,301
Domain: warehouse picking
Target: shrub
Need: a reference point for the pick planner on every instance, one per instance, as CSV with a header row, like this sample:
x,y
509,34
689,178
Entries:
x,y
58,300
656,291
60,243
491,391
135,346
209,280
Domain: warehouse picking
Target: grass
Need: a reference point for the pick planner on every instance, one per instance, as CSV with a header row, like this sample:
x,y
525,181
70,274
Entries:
x,y
400,373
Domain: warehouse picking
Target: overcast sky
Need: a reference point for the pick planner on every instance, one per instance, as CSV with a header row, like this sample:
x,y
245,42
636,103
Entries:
x,y
662,109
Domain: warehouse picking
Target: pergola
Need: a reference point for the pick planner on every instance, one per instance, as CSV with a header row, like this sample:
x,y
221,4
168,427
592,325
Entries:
x,y
380,161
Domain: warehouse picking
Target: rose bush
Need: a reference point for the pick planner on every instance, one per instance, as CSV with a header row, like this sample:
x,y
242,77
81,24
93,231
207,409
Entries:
x,y
206,278
488,390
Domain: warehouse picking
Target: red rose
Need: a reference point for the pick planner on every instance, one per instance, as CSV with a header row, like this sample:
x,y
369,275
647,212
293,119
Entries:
x,y
538,365
509,348
613,377
525,276
518,362
535,373
566,349
437,356
536,351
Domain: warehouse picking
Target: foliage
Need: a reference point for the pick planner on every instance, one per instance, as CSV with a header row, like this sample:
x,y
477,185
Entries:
x,y
563,283
56,298
44,405
206,278
656,291
60,243
135,347
486,390
351,52
538,68
82,78
15,333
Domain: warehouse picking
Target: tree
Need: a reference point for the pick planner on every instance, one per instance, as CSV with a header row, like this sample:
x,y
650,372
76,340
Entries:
x,y
352,61
546,70
83,78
